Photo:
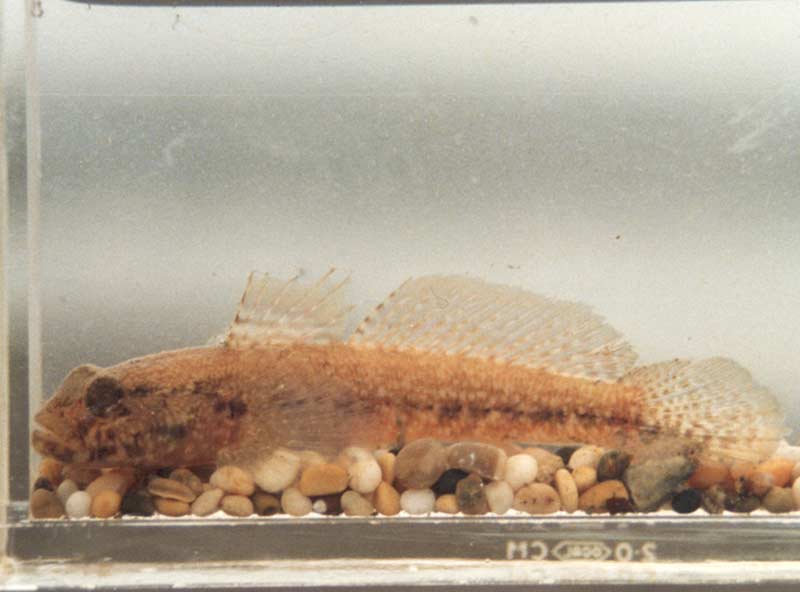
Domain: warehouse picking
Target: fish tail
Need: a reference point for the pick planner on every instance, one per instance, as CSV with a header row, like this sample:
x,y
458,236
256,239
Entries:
x,y
713,402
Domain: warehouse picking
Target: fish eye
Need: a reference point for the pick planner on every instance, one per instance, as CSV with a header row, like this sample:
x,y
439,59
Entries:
x,y
103,393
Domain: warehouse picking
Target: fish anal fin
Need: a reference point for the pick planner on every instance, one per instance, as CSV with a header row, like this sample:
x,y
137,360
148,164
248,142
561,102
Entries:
x,y
454,315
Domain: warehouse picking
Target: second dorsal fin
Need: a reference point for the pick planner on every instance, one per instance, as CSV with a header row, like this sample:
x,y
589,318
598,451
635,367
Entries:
x,y
454,315
285,311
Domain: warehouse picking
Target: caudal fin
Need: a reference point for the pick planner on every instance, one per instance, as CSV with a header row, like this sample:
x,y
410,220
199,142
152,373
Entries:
x,y
712,401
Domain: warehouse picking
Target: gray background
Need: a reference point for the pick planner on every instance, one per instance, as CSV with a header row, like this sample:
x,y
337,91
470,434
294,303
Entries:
x,y
641,158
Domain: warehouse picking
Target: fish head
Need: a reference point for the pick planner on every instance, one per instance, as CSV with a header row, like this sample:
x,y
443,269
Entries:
x,y
76,421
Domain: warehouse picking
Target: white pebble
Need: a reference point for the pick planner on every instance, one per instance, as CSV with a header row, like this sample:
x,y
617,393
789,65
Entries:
x,y
417,501
78,504
500,496
277,472
785,450
66,489
365,475
586,456
796,471
295,503
351,455
796,493
521,469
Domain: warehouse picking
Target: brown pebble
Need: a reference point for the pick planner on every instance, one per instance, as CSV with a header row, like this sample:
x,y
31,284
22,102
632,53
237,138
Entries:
x,y
44,504
537,498
547,464
742,504
584,477
355,504
420,463
106,504
567,490
714,499
234,480
476,457
51,470
779,500
595,499
447,504
266,504
759,483
323,479
386,499
330,505
709,473
171,507
386,461
237,505
171,489
207,502
119,481
470,495
612,464
189,479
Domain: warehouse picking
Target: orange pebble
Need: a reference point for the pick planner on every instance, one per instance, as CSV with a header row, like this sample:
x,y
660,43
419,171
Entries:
x,y
709,473
779,468
106,503
51,470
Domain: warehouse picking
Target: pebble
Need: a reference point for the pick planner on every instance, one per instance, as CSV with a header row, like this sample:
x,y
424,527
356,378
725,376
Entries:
x,y
352,455
66,489
537,498
78,505
365,475
595,499
207,502
796,492
295,503
476,457
171,507
237,505
687,501
232,479
779,468
585,456
759,483
785,450
51,470
779,500
138,503
652,482
387,499
520,470
612,464
567,490
310,457
795,472
323,479
714,499
417,501
547,464
499,496
448,481
82,476
171,489
741,471
584,477
742,504
386,460
265,504
565,452
45,504
43,483
709,473
618,505
420,463
106,504
189,479
354,504
116,481
447,504
470,495
278,471
330,505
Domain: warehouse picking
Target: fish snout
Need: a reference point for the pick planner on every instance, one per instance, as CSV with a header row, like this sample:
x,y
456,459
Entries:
x,y
49,445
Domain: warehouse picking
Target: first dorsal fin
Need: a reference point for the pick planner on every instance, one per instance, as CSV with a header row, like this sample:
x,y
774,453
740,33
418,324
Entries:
x,y
285,311
462,316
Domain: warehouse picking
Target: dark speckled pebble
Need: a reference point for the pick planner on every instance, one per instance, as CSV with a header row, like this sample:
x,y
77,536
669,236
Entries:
x,y
612,464
470,495
565,452
448,481
743,504
714,499
138,503
43,483
619,505
687,501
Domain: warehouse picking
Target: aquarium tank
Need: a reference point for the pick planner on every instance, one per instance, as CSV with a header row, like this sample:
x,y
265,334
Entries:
x,y
399,294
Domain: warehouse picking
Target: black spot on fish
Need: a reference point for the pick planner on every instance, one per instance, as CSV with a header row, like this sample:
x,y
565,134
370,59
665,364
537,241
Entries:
x,y
237,408
103,393
83,425
102,452
220,405
132,449
449,411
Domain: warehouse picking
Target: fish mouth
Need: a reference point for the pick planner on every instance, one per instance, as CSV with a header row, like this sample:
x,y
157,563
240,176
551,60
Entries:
x,y
51,445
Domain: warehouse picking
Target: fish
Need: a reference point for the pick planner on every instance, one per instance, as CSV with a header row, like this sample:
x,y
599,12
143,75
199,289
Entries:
x,y
447,357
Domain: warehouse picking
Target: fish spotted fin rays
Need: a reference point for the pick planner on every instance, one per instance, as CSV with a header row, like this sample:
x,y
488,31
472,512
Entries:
x,y
454,315
274,311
